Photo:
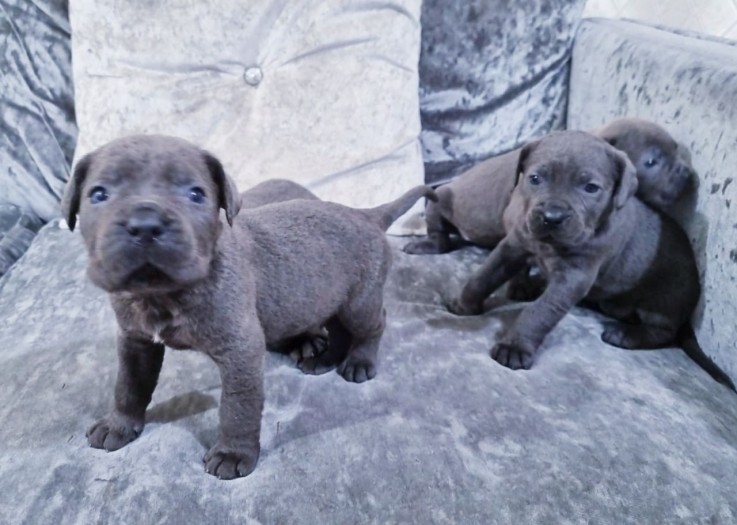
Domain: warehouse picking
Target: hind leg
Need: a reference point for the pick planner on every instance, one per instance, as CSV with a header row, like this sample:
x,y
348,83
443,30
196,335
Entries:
x,y
333,352
654,330
438,234
364,320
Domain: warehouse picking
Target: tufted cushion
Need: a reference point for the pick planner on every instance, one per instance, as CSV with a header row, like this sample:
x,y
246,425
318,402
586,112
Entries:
x,y
491,77
323,93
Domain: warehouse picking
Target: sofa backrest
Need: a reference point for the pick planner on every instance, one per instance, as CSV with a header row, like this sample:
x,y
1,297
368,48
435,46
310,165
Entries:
x,y
688,84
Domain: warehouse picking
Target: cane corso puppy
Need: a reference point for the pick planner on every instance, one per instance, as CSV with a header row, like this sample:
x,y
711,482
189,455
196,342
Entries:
x,y
470,208
572,210
149,212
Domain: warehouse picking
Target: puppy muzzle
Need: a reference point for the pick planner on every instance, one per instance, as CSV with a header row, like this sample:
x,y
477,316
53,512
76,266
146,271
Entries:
x,y
147,245
551,216
147,224
554,222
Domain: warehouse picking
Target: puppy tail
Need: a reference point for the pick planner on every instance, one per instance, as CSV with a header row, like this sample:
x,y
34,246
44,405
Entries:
x,y
687,341
386,214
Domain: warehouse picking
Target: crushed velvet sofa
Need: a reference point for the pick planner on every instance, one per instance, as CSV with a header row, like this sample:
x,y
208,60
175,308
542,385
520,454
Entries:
x,y
591,434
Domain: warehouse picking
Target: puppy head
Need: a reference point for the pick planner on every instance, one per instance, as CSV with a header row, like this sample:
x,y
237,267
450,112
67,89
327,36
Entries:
x,y
149,212
569,183
663,168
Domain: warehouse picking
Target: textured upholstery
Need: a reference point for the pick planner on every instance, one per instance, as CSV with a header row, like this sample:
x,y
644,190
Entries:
x,y
37,127
592,434
491,77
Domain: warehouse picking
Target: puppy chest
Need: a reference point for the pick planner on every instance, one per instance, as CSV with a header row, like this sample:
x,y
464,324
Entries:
x,y
165,324
176,337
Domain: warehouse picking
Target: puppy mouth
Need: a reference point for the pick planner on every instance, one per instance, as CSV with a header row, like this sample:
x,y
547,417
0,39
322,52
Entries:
x,y
568,235
148,276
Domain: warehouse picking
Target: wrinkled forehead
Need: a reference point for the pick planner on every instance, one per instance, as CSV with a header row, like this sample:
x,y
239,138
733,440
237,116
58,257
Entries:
x,y
155,161
572,154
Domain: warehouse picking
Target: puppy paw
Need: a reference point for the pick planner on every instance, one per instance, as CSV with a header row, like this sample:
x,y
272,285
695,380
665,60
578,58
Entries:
x,y
423,247
357,370
624,337
113,432
227,463
613,336
512,356
310,347
458,307
315,365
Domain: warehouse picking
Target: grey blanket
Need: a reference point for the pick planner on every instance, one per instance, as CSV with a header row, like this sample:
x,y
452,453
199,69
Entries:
x,y
592,434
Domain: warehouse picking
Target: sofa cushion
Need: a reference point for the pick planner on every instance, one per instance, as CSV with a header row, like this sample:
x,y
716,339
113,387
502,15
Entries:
x,y
323,93
689,85
591,434
491,77
37,128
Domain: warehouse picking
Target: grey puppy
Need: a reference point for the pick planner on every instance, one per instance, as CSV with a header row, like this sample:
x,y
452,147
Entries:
x,y
149,213
272,191
572,210
470,208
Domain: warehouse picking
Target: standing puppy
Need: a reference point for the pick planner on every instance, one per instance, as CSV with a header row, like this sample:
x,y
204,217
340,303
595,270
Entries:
x,y
471,206
149,213
572,211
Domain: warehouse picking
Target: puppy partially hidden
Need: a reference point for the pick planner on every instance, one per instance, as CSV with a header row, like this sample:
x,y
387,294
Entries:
x,y
470,208
149,213
573,211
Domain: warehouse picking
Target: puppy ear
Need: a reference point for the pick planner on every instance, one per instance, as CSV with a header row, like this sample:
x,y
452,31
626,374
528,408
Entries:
x,y
626,178
70,200
228,197
523,154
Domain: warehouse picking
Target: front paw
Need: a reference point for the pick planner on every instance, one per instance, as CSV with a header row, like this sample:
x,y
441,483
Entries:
x,y
357,370
114,431
512,356
229,463
459,307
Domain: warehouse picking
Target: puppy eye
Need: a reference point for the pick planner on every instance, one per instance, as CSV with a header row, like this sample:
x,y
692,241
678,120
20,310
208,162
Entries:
x,y
591,188
535,179
649,163
197,195
98,194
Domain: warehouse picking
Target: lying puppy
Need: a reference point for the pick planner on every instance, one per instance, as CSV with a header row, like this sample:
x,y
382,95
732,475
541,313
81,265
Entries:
x,y
149,213
471,206
572,210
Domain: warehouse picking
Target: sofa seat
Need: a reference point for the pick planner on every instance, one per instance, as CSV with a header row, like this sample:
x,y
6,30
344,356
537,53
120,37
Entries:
x,y
591,434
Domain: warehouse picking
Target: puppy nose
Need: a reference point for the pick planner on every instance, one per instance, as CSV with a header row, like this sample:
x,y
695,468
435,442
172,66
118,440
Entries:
x,y
145,226
554,216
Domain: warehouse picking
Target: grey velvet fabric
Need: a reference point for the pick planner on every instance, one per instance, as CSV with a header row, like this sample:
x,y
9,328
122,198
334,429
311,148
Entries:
x,y
16,239
37,127
688,84
592,434
492,75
